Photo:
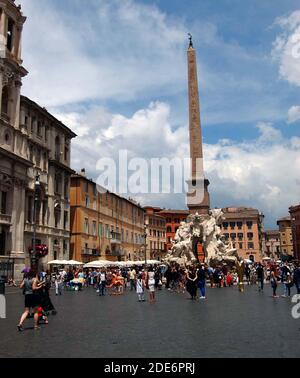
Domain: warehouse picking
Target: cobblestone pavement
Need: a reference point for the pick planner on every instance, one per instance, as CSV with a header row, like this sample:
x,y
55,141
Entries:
x,y
227,324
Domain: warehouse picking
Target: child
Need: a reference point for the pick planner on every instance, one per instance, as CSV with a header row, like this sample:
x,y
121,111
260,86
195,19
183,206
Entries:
x,y
42,316
140,288
229,279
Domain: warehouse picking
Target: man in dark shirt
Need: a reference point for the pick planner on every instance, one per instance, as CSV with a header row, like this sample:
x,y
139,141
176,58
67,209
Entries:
x,y
260,273
297,278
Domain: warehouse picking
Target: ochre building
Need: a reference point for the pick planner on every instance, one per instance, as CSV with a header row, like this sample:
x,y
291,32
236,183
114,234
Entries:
x,y
104,225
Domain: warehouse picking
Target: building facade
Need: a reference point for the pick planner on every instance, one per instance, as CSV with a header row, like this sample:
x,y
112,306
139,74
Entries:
x,y
173,220
156,233
104,225
34,160
286,236
243,227
271,244
295,223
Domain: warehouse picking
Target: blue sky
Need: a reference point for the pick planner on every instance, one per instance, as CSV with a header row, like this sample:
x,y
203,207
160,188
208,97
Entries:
x,y
118,68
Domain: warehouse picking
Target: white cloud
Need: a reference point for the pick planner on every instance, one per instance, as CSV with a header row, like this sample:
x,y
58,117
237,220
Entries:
x,y
268,133
286,48
257,173
121,50
294,114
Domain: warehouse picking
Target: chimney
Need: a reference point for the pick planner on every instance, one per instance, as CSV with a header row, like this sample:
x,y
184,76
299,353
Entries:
x,y
82,172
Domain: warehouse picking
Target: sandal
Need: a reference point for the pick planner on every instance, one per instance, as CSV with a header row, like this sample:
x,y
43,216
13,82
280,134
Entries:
x,y
20,328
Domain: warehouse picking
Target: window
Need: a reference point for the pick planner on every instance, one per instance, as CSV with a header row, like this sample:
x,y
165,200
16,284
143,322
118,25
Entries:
x,y
240,236
250,235
107,231
240,225
66,157
225,225
95,190
26,120
86,225
250,246
249,224
94,228
57,183
46,134
169,229
4,103
57,148
66,189
100,228
86,187
38,158
226,236
31,153
87,201
232,225
45,209
65,220
233,236
33,120
45,162
39,129
3,202
10,34
240,245
169,220
57,214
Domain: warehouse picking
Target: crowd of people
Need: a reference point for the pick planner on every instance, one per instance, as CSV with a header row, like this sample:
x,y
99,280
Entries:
x,y
149,279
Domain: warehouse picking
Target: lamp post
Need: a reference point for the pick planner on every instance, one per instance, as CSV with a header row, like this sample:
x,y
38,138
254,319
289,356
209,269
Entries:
x,y
37,186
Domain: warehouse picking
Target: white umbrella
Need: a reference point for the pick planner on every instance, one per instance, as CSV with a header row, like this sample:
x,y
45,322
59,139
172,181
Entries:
x,y
74,262
57,262
266,258
97,264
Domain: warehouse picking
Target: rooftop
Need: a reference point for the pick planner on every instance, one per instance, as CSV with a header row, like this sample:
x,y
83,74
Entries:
x,y
49,115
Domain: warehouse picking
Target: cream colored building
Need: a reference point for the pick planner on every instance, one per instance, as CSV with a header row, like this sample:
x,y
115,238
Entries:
x,y
271,244
32,143
243,227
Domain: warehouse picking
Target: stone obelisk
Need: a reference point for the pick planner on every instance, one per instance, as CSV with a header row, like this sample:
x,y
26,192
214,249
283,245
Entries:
x,y
198,196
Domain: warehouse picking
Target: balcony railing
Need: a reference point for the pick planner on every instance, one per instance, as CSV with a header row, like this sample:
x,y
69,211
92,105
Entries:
x,y
5,117
90,252
115,238
5,219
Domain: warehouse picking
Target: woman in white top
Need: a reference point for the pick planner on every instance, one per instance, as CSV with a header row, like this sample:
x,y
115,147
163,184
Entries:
x,y
140,288
151,285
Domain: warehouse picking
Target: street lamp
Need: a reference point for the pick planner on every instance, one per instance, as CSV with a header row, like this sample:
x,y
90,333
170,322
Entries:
x,y
37,187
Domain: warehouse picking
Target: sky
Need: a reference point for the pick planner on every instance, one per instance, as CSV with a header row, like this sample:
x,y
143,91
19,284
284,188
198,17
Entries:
x,y
115,72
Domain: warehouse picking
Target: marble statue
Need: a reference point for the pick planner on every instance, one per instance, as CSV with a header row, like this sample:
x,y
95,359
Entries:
x,y
204,229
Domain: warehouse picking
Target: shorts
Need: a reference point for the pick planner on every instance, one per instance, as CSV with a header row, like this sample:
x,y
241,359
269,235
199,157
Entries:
x,y
32,300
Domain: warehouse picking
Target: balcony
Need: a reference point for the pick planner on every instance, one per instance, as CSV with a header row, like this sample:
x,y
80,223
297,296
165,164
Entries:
x,y
115,238
5,117
5,219
90,252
